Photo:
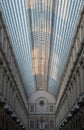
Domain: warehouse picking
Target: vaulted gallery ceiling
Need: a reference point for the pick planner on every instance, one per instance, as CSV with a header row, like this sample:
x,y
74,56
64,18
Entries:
x,y
41,32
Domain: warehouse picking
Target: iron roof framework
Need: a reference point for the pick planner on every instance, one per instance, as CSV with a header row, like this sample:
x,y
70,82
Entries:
x,y
41,32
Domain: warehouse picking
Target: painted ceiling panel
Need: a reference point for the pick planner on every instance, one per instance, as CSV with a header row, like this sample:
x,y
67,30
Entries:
x,y
41,32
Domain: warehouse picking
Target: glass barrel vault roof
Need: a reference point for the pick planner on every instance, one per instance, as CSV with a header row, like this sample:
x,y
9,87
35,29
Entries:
x,y
41,32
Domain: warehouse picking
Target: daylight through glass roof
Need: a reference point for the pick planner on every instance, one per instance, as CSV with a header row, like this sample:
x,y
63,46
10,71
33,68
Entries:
x,y
41,32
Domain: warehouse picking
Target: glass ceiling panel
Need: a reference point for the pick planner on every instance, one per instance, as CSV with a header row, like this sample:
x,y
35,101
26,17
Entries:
x,y
66,17
16,19
41,32
40,12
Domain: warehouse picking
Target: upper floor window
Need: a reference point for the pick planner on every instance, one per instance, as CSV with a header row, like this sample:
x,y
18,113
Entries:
x,y
51,108
32,108
51,124
32,124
